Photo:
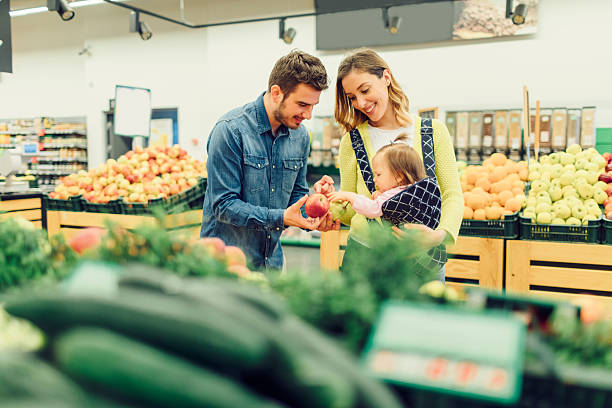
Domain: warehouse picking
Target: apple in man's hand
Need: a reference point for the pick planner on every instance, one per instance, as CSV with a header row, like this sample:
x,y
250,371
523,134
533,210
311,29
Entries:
x,y
317,205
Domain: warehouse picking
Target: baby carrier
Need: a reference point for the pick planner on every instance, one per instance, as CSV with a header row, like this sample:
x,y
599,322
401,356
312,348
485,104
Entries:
x,y
418,203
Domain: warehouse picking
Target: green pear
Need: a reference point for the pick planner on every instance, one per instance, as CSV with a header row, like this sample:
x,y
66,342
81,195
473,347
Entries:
x,y
572,221
544,218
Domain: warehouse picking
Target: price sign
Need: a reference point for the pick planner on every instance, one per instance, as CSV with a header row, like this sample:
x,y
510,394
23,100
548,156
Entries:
x,y
475,354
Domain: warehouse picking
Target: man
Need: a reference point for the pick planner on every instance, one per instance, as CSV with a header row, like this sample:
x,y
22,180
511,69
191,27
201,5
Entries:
x,y
257,164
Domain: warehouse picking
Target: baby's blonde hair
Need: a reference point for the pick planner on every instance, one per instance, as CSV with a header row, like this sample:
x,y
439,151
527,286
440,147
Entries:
x,y
403,161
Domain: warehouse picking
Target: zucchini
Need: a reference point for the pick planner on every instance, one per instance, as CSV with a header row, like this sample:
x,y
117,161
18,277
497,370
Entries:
x,y
198,332
141,373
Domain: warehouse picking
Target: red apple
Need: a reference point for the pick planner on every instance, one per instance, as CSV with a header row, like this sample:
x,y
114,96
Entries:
x,y
607,156
605,177
609,190
609,167
234,256
607,201
86,238
240,270
608,208
609,215
215,246
317,205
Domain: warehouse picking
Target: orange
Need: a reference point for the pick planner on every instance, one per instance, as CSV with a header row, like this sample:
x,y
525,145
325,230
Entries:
x,y
471,175
497,174
517,190
498,159
523,174
504,196
519,184
480,214
493,213
513,204
467,213
483,183
506,212
501,186
478,190
476,201
466,187
512,177
466,196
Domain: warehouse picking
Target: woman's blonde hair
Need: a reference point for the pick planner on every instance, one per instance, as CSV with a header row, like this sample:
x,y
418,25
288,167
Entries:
x,y
403,161
366,60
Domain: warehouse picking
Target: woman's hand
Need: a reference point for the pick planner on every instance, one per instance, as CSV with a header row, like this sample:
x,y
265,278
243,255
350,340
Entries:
x,y
431,238
324,186
342,196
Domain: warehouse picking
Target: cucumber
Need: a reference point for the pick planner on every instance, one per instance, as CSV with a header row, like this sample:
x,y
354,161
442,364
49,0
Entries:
x,y
144,374
24,376
291,374
187,328
371,392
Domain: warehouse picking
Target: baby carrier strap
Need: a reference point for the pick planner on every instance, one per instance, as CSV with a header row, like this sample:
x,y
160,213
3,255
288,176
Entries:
x,y
362,159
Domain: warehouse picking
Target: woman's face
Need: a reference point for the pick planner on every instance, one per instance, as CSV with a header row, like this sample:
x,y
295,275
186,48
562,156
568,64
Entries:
x,y
368,93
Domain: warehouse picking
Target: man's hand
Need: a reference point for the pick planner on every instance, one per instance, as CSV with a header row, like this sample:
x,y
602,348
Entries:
x,y
328,223
293,216
324,186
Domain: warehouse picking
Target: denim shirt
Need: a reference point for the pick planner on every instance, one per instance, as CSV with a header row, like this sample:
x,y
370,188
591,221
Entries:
x,y
252,178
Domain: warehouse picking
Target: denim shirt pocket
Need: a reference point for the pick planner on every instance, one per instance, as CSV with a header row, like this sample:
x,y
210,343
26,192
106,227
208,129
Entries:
x,y
291,168
255,173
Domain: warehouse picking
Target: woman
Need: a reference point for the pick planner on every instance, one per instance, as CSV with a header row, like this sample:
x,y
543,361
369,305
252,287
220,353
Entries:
x,y
370,100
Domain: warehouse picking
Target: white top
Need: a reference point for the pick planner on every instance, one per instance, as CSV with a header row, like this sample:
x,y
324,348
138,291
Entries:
x,y
380,137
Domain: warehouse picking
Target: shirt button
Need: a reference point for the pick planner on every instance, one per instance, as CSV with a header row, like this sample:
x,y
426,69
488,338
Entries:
x,y
272,190
295,167
269,237
273,166
259,165
278,229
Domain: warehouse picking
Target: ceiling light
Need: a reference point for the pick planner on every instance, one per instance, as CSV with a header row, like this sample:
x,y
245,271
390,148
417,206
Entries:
x,y
519,14
287,35
140,27
43,9
391,24
63,9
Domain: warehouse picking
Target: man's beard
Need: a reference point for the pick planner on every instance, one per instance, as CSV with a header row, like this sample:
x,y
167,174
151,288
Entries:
x,y
282,119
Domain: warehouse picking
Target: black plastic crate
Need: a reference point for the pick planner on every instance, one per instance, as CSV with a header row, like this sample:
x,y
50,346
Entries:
x,y
141,208
562,233
606,231
112,207
505,228
74,203
184,200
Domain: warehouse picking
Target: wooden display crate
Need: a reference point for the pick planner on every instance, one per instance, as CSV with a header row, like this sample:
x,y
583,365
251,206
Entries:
x,y
70,222
28,206
475,261
567,271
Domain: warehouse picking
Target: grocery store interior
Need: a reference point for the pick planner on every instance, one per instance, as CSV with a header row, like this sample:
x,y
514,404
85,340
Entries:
x,y
106,107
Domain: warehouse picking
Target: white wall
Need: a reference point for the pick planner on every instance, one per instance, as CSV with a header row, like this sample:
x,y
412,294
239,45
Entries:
x,y
208,71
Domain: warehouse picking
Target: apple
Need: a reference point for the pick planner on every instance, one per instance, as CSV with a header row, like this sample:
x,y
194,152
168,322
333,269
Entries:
x,y
558,221
609,167
544,218
86,238
234,256
240,270
317,205
607,156
215,246
609,189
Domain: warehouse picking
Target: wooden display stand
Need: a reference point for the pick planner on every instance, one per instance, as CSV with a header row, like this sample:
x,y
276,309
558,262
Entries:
x,y
69,222
560,270
27,206
476,261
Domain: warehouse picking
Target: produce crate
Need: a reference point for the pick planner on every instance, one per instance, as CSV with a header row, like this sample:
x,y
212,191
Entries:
x,y
141,208
29,206
606,231
507,228
74,203
184,200
561,233
112,207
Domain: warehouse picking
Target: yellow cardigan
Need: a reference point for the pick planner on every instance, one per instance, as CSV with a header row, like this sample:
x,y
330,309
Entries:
x,y
446,173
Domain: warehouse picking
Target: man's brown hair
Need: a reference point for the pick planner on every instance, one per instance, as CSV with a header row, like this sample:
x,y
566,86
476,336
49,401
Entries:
x,y
295,68
403,161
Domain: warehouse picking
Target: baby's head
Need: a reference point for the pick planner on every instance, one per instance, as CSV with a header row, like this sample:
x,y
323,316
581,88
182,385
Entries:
x,y
397,164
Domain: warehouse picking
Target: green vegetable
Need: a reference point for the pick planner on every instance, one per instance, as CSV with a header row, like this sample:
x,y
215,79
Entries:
x,y
144,374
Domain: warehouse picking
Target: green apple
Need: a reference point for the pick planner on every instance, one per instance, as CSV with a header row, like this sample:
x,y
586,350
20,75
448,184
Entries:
x,y
529,214
545,159
572,221
543,196
533,175
570,193
555,193
569,167
574,149
599,160
600,185
538,185
592,177
568,188
589,201
581,173
587,218
531,202
558,221
566,158
555,157
562,211
599,196
544,207
593,167
579,211
338,210
546,175
556,171
581,164
594,211
585,190
461,164
567,178
544,218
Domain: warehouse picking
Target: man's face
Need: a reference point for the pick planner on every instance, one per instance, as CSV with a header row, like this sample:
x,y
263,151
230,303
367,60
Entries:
x,y
297,106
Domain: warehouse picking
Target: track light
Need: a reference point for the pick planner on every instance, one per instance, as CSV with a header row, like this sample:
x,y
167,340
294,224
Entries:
x,y
391,24
140,27
519,14
63,9
286,35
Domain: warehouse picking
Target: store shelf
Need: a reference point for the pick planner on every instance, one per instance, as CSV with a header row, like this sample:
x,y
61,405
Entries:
x,y
65,146
51,172
311,243
62,160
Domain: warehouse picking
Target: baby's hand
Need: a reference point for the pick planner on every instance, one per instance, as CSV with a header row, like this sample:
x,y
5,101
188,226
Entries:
x,y
375,195
340,196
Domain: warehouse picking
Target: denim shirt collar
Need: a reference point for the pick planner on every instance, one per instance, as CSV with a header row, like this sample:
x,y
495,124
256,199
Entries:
x,y
263,123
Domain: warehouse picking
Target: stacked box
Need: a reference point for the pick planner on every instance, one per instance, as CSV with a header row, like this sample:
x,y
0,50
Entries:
x,y
462,135
573,126
475,136
488,146
545,131
587,133
559,130
501,131
514,135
